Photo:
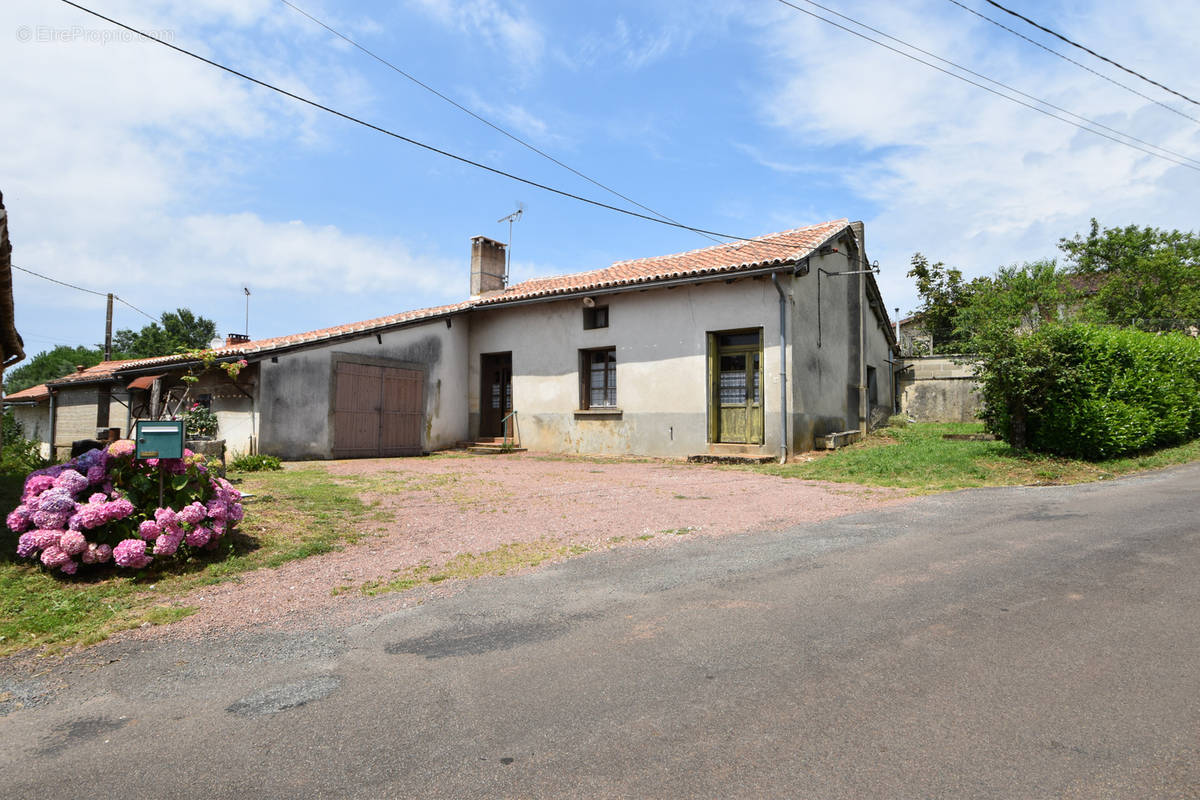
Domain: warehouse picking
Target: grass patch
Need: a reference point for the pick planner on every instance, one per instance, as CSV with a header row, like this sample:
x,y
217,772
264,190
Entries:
x,y
292,514
917,457
504,559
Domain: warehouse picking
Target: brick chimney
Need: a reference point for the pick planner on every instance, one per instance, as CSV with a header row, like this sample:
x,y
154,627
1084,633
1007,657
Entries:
x,y
232,339
487,266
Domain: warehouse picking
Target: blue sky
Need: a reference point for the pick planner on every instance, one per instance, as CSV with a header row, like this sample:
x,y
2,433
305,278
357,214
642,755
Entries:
x,y
132,169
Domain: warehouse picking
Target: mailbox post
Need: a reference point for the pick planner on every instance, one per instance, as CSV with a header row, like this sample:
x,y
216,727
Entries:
x,y
160,439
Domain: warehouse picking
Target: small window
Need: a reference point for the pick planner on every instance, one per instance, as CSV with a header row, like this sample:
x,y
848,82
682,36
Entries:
x,y
872,386
595,317
598,378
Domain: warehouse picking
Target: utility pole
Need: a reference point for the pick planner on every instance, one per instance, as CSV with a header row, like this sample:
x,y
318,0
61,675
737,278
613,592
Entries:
x,y
108,330
246,289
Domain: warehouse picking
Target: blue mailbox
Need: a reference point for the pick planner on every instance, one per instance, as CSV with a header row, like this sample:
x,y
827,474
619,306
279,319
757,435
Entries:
x,y
159,439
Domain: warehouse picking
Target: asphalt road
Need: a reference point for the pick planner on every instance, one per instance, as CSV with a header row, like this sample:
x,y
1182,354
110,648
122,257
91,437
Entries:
x,y
1012,643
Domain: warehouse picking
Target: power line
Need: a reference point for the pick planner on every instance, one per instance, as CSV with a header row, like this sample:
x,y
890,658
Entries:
x,y
482,119
982,86
1070,60
423,145
60,283
1003,85
1092,52
135,308
82,289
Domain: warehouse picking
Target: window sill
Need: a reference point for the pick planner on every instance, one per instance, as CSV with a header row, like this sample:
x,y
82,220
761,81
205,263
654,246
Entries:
x,y
598,413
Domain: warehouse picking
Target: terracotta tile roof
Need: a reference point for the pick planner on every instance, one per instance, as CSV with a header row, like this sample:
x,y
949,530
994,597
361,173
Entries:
x,y
279,342
776,248
39,392
101,372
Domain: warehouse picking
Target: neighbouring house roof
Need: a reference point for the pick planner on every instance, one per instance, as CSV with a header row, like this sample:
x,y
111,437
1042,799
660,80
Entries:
x,y
32,394
282,342
719,261
104,371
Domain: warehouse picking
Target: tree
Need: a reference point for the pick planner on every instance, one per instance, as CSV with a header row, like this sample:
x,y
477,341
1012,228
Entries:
x,y
943,293
180,329
1000,312
1147,277
51,364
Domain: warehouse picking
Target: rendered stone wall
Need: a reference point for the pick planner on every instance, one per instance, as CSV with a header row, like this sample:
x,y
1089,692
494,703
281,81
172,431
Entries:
x,y
939,389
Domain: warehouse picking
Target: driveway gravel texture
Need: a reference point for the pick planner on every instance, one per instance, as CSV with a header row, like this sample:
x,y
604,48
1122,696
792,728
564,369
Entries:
x,y
429,510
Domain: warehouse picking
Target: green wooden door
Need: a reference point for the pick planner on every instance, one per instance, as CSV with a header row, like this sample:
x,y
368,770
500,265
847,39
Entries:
x,y
735,391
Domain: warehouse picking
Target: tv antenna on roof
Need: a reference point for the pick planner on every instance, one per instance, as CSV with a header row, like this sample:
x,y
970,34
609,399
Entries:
x,y
510,219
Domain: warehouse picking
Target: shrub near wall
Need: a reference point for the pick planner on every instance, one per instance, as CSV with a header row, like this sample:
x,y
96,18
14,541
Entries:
x,y
104,506
1085,391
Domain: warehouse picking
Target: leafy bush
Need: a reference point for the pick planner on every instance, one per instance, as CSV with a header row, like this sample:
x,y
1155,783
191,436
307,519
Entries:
x,y
257,463
121,519
897,421
200,421
1094,392
20,455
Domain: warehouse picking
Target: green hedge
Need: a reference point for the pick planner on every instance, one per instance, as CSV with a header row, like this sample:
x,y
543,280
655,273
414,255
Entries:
x,y
1093,392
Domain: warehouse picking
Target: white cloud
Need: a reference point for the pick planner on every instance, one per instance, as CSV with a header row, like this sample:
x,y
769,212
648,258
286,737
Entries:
x,y
121,146
963,175
507,27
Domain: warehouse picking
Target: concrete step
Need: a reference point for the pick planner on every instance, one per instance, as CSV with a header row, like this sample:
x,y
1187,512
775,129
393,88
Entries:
x,y
731,458
489,449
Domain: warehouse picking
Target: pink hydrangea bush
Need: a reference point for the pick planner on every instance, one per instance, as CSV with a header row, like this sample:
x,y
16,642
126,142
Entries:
x,y
103,507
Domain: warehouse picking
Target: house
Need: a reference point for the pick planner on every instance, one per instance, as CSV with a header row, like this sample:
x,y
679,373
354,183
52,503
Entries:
x,y
756,347
31,409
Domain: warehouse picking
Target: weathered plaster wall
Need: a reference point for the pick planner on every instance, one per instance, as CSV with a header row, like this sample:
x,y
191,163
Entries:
x,y
75,412
237,414
660,336
296,401
826,373
937,389
35,424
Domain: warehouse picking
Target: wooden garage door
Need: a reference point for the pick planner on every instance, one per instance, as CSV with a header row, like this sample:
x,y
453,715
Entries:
x,y
377,411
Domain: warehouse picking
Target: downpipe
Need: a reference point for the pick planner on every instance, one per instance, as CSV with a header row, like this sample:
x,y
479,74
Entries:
x,y
783,409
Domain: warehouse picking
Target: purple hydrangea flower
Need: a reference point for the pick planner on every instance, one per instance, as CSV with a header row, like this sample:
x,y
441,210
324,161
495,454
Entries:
x,y
26,545
91,515
118,509
54,556
51,519
150,530
72,543
56,500
69,567
192,514
198,537
98,497
71,481
131,553
36,484
44,538
167,544
96,474
19,519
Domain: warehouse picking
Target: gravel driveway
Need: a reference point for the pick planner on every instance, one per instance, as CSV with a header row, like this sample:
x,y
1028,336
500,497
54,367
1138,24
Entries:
x,y
432,509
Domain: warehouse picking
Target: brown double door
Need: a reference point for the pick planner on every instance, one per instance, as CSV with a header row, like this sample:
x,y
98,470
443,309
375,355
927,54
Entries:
x,y
377,411
495,396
